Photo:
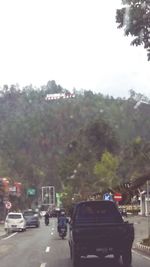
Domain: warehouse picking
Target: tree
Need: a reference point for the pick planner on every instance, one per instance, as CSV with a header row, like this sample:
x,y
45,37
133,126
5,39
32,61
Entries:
x,y
135,161
106,171
76,167
100,137
134,17
44,142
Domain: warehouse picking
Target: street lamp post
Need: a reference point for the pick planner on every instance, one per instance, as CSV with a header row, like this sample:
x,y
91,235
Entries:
x,y
148,211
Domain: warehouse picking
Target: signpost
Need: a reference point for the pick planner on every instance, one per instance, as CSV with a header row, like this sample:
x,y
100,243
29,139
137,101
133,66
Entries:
x,y
31,191
107,196
8,205
58,200
48,196
117,197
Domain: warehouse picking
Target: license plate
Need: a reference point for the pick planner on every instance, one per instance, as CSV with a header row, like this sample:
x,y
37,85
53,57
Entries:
x,y
14,226
101,249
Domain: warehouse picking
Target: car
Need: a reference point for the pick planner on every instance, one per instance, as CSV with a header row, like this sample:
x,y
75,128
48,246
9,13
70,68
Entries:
x,y
55,213
15,222
32,218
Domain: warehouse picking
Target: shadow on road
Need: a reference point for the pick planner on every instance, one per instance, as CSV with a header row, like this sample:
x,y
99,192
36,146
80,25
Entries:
x,y
96,262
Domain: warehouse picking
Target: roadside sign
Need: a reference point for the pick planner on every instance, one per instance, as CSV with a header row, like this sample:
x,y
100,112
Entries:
x,y
107,196
48,195
58,199
12,189
8,205
117,197
31,191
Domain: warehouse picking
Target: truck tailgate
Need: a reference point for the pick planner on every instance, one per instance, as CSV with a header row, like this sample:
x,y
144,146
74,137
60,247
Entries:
x,y
103,234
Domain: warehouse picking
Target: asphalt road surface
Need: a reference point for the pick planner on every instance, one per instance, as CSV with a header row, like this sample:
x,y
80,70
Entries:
x,y
42,247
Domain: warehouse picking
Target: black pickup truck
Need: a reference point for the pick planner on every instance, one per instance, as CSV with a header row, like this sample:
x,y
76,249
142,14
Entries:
x,y
97,228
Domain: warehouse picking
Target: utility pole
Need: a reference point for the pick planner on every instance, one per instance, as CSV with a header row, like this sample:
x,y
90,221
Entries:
x,y
148,210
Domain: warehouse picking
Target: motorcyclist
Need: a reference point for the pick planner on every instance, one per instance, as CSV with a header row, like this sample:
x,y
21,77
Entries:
x,y
62,221
46,216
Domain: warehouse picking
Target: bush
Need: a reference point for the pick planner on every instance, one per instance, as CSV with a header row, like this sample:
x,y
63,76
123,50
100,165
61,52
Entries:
x,y
133,209
146,242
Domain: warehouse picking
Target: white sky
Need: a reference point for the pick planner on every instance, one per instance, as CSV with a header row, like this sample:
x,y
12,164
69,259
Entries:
x,y
74,42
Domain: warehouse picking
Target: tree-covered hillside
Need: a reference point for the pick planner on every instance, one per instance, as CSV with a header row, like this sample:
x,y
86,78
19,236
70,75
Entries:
x,y
60,142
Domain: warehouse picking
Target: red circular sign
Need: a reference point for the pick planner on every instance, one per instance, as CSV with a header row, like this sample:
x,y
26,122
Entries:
x,y
8,205
118,197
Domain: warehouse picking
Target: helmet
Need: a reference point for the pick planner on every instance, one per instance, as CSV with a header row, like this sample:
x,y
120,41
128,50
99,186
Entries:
x,y
62,213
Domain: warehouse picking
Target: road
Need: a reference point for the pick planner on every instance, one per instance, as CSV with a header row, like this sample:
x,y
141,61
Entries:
x,y
140,226
43,248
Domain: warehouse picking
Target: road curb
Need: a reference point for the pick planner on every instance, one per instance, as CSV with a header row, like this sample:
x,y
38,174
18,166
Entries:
x,y
2,236
3,233
142,247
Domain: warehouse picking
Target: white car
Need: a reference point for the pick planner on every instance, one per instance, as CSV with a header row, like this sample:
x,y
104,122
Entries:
x,y
15,222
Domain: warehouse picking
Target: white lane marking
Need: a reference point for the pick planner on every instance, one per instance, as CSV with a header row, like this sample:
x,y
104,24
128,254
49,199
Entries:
x,y
53,229
52,233
43,264
141,255
47,249
9,236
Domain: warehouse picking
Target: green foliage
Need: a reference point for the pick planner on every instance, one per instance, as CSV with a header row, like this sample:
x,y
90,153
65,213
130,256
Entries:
x,y
101,137
66,196
135,160
106,171
47,142
76,169
134,17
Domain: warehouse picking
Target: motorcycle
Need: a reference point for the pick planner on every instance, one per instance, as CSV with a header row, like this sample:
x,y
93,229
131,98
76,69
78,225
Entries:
x,y
62,232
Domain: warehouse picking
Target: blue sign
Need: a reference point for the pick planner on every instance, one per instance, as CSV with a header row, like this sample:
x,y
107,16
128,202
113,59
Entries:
x,y
107,196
